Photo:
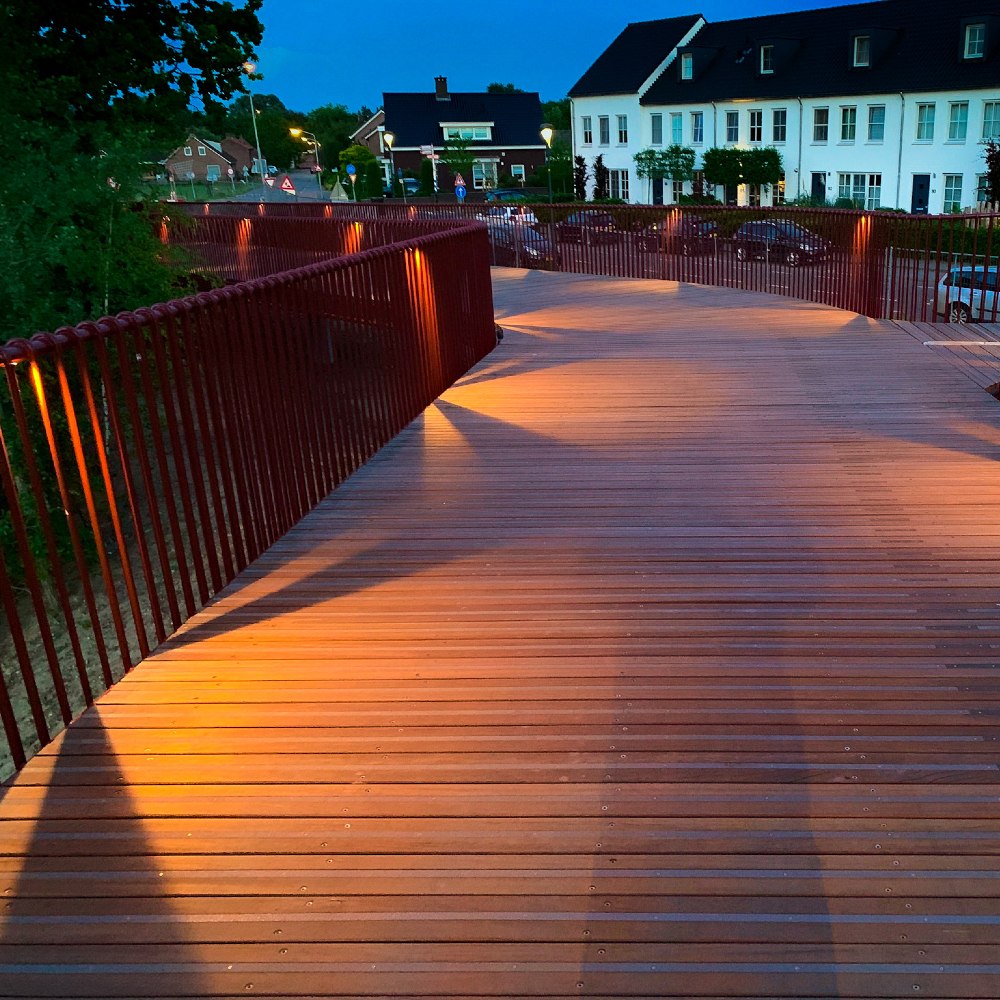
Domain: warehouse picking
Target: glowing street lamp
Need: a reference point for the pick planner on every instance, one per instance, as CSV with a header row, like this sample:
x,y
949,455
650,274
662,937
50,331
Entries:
x,y
250,68
310,137
388,138
547,132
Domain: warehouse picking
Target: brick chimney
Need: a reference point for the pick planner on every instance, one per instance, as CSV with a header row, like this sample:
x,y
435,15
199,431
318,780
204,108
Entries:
x,y
441,88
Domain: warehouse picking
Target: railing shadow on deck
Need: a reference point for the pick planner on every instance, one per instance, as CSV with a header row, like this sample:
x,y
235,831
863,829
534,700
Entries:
x,y
146,459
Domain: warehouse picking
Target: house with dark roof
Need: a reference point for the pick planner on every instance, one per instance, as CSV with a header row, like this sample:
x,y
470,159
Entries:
x,y
501,130
202,160
886,103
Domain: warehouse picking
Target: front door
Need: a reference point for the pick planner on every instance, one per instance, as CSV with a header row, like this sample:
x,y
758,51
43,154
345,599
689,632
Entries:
x,y
921,193
657,190
819,187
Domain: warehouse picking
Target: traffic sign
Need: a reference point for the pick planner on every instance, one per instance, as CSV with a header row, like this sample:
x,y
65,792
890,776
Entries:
x,y
231,172
459,181
460,192
269,181
287,185
351,169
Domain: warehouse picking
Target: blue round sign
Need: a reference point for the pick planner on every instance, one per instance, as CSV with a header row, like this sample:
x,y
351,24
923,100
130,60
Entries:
x,y
351,169
459,192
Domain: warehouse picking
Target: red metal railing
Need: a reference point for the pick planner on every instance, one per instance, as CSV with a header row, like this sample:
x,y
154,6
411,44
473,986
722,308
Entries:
x,y
146,459
884,265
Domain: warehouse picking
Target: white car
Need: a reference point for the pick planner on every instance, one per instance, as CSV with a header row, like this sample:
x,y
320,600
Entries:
x,y
509,213
969,295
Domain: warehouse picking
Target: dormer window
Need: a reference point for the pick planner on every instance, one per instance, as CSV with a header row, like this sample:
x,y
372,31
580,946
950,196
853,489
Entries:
x,y
467,133
975,41
687,65
767,59
862,51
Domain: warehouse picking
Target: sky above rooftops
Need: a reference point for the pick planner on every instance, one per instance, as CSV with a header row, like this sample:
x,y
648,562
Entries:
x,y
310,57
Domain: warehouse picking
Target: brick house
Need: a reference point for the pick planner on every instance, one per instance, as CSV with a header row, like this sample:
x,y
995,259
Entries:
x,y
207,160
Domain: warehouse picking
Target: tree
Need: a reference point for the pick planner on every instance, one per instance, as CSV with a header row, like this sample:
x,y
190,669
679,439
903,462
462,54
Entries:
x,y
580,178
333,125
503,88
458,157
992,154
369,182
601,178
561,165
761,166
556,113
732,167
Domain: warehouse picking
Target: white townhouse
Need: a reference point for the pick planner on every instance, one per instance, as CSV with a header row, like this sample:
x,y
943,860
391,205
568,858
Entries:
x,y
888,103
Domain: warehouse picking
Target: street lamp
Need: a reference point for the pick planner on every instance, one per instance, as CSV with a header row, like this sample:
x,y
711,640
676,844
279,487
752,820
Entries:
x,y
310,137
250,68
388,138
547,132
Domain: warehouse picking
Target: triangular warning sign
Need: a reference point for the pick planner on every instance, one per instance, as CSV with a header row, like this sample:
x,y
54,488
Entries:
x,y
269,181
287,185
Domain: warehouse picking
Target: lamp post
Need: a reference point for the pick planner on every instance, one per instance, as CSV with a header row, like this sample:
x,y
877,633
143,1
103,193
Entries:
x,y
547,132
250,68
388,138
310,137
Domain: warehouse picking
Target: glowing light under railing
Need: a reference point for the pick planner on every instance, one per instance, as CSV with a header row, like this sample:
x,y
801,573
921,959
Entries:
x,y
353,237
420,283
862,235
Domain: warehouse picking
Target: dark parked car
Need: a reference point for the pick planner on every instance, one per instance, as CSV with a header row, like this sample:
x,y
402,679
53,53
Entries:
x,y
588,226
517,245
684,234
506,194
779,240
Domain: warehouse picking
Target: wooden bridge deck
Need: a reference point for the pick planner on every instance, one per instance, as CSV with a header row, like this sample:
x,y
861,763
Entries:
x,y
660,658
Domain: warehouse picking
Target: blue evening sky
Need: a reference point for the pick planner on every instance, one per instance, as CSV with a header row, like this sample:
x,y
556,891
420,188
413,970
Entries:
x,y
316,53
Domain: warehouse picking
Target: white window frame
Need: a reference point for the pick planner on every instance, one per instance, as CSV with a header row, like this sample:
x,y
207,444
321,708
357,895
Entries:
x,y
697,128
766,60
587,127
982,186
732,126
958,121
618,186
975,41
687,66
925,122
622,130
755,125
518,173
862,51
484,174
656,130
213,172
467,132
187,150
603,130
876,123
848,123
677,128
865,189
202,151
818,125
952,184
779,125
991,120
676,191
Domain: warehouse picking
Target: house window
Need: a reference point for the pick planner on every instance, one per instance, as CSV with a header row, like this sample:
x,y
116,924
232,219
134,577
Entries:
x,y
925,123
953,193
975,41
779,125
958,121
213,172
767,59
732,126
697,127
517,172
201,150
991,120
865,190
687,65
753,195
623,130
778,191
756,126
484,175
677,190
187,150
876,123
466,133
656,129
677,129
821,124
848,124
619,184
604,130
587,126
862,50
982,188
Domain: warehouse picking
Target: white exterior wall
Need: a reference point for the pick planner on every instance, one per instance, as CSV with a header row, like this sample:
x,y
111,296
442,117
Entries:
x,y
897,158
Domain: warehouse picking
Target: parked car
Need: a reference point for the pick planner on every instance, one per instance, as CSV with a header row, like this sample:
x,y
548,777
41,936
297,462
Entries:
x,y
779,240
588,226
410,185
520,246
683,234
508,212
969,295
506,194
